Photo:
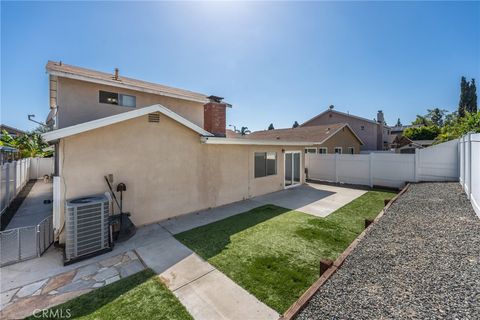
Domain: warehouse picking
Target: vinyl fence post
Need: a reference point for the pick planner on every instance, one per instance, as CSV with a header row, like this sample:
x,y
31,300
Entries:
x,y
7,185
469,164
416,160
336,167
370,168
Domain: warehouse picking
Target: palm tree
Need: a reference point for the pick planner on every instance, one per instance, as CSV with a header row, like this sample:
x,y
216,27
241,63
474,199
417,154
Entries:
x,y
243,131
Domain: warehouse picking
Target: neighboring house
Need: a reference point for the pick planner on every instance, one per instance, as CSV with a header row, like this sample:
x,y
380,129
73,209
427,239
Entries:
x,y
332,138
174,157
397,131
14,132
374,134
402,144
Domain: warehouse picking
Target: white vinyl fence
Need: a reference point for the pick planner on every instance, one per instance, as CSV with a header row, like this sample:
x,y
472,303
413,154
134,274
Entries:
x,y
14,175
40,167
436,163
470,168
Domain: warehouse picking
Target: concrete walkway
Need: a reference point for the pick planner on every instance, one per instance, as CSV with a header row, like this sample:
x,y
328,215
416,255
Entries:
x,y
206,292
33,210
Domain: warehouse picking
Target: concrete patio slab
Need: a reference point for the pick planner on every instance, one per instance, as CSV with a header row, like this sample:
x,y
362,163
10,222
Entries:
x,y
163,254
33,210
204,217
185,271
316,199
215,296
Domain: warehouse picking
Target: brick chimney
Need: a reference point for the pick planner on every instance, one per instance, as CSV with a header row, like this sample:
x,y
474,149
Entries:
x,y
214,116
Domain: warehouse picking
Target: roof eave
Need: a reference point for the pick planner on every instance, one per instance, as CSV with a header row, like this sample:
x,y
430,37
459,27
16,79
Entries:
x,y
114,83
245,141
103,122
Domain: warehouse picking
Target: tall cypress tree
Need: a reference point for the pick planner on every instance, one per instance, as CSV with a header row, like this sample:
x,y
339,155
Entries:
x,y
463,97
271,127
472,101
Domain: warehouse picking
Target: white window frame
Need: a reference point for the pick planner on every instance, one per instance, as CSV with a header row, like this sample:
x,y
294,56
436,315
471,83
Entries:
x,y
352,149
323,148
338,148
266,158
310,148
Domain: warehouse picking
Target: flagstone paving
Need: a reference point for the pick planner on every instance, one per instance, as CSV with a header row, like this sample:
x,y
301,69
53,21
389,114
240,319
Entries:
x,y
20,302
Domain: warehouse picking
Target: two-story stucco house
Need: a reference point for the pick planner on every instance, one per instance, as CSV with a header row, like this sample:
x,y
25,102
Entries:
x,y
373,133
169,146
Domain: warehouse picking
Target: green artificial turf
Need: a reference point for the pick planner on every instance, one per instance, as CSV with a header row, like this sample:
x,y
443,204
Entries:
x,y
139,296
274,252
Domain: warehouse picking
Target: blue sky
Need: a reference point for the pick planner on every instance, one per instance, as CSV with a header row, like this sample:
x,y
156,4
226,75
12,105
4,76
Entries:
x,y
274,62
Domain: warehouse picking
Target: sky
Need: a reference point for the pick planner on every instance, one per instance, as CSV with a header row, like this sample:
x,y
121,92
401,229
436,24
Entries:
x,y
275,62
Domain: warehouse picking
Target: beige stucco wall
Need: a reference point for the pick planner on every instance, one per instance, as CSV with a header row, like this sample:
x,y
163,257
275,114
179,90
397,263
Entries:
x,y
168,172
78,102
369,134
343,138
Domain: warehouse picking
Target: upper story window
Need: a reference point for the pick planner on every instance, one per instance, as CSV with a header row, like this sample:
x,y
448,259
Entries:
x,y
362,127
265,164
323,150
338,150
351,150
310,150
118,99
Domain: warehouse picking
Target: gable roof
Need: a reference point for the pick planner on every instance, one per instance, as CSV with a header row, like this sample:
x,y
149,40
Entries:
x,y
68,71
317,134
103,122
340,113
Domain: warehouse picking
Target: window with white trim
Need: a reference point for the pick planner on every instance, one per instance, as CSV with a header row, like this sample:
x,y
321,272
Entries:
x,y
310,150
118,99
322,150
265,164
351,150
338,150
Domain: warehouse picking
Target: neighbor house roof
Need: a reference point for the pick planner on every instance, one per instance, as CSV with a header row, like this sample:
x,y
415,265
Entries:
x,y
341,113
94,124
316,134
68,71
11,129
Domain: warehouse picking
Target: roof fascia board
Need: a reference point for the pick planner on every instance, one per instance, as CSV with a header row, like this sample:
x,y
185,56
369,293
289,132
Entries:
x,y
121,85
103,122
246,141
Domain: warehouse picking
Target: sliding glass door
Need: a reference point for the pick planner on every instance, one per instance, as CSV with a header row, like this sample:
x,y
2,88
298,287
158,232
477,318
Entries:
x,y
292,168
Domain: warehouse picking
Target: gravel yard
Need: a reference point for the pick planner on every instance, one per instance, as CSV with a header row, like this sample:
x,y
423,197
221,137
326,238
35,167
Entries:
x,y
421,260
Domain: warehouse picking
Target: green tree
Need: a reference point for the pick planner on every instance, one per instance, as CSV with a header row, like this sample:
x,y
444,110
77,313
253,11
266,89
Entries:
x,y
422,133
436,116
472,97
399,123
463,97
30,144
270,127
459,126
243,131
422,120
468,97
295,124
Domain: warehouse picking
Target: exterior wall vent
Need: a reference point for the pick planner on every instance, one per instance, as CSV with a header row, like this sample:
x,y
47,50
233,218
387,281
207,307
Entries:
x,y
87,227
154,117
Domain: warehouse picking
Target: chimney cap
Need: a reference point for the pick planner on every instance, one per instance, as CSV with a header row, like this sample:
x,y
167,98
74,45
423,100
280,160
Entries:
x,y
115,75
216,99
